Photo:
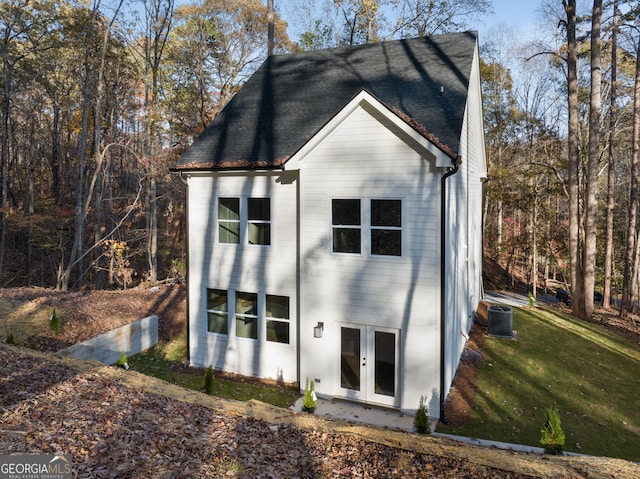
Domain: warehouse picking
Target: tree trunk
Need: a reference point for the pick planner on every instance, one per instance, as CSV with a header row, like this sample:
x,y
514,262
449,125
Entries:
x,y
270,28
4,161
572,157
55,155
627,296
591,192
611,174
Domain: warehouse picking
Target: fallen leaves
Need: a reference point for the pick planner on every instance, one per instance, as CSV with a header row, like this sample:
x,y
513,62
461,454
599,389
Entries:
x,y
112,430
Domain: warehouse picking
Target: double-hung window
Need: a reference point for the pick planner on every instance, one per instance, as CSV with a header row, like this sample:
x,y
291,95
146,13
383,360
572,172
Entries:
x,y
372,226
277,318
217,311
244,220
347,225
386,227
229,220
246,315
259,220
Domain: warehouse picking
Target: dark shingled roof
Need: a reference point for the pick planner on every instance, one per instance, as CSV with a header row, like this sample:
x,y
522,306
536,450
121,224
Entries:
x,y
292,96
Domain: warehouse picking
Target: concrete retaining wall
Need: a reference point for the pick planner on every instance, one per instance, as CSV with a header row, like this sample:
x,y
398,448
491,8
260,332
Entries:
x,y
108,347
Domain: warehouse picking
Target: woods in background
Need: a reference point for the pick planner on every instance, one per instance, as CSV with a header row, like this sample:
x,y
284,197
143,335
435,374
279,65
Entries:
x,y
100,98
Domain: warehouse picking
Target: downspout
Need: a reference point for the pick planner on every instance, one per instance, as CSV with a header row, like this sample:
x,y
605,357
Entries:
x,y
186,219
443,237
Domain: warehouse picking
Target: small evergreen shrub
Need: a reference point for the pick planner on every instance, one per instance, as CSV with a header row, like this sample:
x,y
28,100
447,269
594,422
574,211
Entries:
x,y
552,434
123,362
54,322
309,400
10,339
208,380
421,419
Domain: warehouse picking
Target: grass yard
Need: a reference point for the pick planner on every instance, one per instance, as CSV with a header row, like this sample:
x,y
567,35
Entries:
x,y
165,361
590,375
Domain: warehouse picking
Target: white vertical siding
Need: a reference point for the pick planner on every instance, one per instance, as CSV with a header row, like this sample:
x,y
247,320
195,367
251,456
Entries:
x,y
362,159
249,268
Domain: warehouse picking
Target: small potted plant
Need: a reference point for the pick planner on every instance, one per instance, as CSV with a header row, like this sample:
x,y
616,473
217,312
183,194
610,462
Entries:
x,y
309,400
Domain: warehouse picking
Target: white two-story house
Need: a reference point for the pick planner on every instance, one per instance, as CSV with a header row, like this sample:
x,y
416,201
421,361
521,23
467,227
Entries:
x,y
334,221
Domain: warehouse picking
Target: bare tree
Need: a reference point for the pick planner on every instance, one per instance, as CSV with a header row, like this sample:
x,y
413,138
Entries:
x,y
572,156
585,309
611,173
627,293
158,24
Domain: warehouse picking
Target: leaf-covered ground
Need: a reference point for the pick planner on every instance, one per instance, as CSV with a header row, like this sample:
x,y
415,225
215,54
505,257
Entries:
x,y
118,424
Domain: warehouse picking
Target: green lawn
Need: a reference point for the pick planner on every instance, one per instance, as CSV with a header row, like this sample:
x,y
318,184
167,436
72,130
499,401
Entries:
x,y
590,375
164,361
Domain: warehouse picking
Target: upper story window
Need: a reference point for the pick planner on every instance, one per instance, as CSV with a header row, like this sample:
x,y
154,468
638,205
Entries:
x,y
259,220
346,220
245,220
229,220
386,227
373,226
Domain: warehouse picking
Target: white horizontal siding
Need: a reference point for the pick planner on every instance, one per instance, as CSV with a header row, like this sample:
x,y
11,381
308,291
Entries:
x,y
362,159
464,230
242,267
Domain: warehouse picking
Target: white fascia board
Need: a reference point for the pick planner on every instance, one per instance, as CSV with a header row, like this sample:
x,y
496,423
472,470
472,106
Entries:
x,y
378,110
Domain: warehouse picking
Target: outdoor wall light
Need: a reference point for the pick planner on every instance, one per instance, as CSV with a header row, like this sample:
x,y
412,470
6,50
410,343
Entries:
x,y
318,330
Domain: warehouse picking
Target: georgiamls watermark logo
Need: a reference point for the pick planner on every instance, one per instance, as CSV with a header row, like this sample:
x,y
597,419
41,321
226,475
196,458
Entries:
x,y
35,466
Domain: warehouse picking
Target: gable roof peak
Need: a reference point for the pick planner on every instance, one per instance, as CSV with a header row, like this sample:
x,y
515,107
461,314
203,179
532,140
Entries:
x,y
292,96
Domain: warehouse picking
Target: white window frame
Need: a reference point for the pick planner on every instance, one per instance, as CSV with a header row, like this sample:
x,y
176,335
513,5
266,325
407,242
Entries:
x,y
360,227
226,313
243,221
233,316
366,228
372,228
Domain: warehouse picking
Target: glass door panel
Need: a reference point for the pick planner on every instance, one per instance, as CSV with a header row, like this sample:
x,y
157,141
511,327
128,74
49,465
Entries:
x,y
385,363
350,376
369,364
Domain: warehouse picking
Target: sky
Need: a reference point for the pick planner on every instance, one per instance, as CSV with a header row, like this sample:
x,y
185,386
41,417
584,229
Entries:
x,y
521,15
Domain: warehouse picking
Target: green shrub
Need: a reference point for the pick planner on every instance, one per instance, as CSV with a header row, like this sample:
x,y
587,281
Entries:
x,y
552,434
54,322
10,339
309,400
123,362
208,380
421,419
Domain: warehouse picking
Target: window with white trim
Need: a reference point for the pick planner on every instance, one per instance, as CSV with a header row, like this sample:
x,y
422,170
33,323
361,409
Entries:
x,y
244,220
217,311
249,315
373,226
246,315
346,221
229,220
277,316
259,220
386,227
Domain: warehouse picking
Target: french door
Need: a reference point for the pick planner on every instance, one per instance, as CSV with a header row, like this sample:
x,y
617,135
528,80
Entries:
x,y
369,365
